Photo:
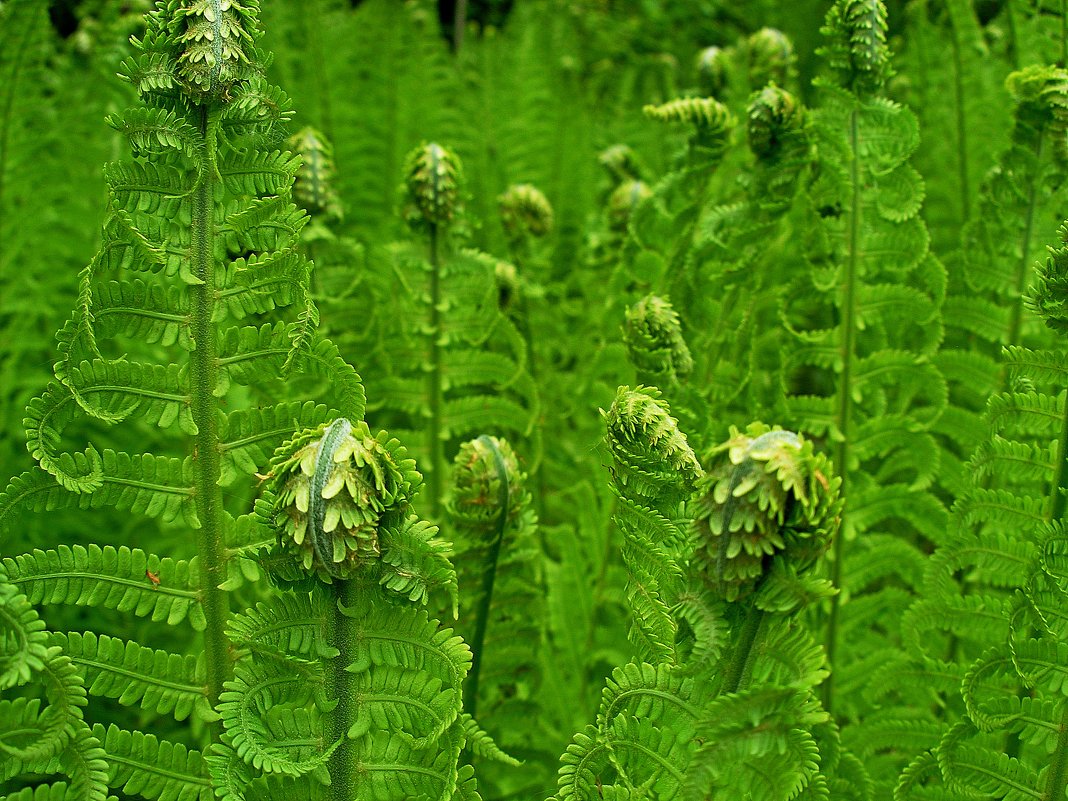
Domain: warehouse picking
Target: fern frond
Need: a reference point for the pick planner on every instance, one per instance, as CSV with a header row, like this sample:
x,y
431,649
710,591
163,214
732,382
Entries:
x,y
111,578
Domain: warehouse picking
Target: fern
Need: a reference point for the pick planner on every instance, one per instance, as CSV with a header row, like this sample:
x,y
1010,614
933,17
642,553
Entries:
x,y
200,233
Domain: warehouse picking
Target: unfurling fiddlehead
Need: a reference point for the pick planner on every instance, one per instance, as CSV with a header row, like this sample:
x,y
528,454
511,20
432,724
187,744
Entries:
x,y
374,680
655,345
857,48
766,496
314,188
653,472
432,176
771,58
502,605
525,212
775,124
338,485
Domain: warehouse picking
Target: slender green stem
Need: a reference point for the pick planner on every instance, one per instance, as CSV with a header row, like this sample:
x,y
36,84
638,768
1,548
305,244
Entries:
x,y
204,369
489,578
436,479
344,778
742,656
847,352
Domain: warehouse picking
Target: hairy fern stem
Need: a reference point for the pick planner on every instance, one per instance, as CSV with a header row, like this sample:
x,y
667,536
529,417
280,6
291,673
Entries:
x,y
342,765
204,368
742,656
845,400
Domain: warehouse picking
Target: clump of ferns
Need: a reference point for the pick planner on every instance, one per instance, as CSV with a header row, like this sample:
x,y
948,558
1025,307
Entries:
x,y
1000,633
197,299
344,668
721,562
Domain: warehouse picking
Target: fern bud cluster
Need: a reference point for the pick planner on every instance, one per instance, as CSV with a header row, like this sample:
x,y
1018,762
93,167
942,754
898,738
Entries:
x,y
488,485
771,57
774,120
525,211
334,488
651,456
205,46
653,336
857,49
766,495
432,176
313,187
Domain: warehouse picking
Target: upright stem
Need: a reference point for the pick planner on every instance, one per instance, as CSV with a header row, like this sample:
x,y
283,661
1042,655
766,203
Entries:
x,y
435,481
344,780
459,25
204,369
847,351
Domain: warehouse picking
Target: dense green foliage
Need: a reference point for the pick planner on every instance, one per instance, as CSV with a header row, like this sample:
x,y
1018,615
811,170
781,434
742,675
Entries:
x,y
380,400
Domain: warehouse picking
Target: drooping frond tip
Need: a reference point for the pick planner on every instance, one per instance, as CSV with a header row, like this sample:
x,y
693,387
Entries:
x,y
432,177
706,114
333,488
653,336
856,49
766,495
205,46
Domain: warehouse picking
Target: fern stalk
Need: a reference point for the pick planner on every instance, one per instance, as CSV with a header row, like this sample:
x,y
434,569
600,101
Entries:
x,y
962,125
741,658
842,418
342,765
204,369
